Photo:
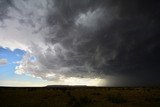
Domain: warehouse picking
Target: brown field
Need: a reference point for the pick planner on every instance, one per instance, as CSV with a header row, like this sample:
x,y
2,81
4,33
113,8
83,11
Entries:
x,y
80,97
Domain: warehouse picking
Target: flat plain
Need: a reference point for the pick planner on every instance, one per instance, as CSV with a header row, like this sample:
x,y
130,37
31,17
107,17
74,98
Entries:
x,y
79,96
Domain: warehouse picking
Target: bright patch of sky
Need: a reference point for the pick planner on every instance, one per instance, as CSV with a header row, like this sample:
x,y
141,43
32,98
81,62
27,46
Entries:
x,y
7,71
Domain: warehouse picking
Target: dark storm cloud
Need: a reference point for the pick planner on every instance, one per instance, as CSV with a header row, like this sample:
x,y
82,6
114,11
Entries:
x,y
4,4
118,39
138,53
78,40
107,38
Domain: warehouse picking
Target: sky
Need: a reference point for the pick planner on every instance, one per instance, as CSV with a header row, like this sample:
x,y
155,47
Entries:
x,y
79,42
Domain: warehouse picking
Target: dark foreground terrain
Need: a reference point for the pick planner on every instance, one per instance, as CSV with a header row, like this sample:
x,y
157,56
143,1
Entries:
x,y
80,97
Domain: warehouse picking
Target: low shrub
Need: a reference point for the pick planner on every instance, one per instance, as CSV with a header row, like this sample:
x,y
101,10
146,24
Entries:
x,y
118,99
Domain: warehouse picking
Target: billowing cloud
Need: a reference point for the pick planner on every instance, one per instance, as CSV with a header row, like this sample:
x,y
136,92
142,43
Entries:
x,y
3,61
84,39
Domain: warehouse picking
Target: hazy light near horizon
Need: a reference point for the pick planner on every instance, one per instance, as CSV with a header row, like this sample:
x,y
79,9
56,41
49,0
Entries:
x,y
85,81
70,81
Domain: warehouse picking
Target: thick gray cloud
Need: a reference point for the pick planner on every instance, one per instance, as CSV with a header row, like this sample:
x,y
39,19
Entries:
x,y
90,39
4,4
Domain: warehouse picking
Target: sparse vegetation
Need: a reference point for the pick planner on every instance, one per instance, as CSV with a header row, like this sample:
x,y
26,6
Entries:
x,y
79,97
116,98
